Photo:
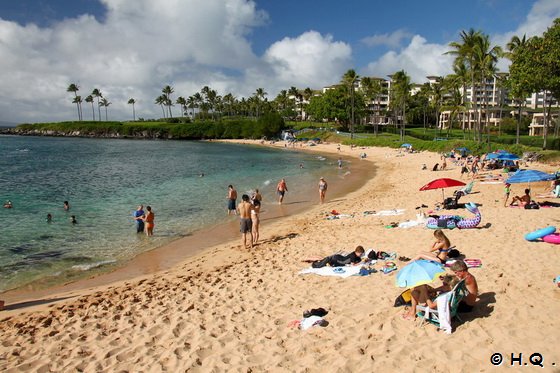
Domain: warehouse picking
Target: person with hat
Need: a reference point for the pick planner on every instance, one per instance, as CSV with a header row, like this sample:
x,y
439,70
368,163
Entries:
x,y
322,189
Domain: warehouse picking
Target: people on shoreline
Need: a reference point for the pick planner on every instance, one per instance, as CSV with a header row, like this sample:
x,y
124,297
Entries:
x,y
439,250
462,272
138,217
66,206
256,196
255,219
232,198
281,190
322,189
149,223
245,223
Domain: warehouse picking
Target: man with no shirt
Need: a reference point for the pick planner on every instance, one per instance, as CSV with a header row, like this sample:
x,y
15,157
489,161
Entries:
x,y
245,223
232,196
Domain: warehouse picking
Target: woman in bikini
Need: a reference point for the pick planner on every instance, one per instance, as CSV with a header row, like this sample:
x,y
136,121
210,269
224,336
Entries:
x,y
149,221
440,248
255,219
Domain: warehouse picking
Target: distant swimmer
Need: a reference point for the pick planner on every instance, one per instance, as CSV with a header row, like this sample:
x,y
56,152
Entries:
x,y
49,218
339,162
73,219
66,206
8,204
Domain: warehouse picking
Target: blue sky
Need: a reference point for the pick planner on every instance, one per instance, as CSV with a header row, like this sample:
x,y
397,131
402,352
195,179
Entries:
x,y
132,48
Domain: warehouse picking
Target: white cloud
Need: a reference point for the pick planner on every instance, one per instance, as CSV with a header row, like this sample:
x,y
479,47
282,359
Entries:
x,y
310,60
392,40
419,59
140,47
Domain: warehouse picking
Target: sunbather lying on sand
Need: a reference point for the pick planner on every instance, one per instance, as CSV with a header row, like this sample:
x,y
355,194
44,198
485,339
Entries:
x,y
338,260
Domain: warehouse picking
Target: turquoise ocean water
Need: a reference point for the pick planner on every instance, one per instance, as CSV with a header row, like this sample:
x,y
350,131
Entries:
x,y
104,180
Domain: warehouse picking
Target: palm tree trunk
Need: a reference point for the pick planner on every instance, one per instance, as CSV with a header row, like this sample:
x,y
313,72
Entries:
x,y
518,127
106,120
133,113
92,111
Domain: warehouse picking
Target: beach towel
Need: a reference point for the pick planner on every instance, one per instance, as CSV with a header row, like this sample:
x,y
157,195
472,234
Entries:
x,y
339,216
389,212
443,312
343,272
471,263
410,224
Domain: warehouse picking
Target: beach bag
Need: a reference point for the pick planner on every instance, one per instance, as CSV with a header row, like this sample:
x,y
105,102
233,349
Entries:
x,y
404,299
532,206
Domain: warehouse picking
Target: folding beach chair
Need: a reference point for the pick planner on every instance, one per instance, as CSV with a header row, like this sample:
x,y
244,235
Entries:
x,y
464,191
426,314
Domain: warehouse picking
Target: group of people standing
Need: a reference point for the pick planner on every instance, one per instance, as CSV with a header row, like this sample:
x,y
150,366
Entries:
x,y
144,220
249,214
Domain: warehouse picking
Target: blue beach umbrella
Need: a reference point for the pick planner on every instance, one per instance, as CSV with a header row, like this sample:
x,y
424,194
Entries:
x,y
419,272
407,145
503,156
529,176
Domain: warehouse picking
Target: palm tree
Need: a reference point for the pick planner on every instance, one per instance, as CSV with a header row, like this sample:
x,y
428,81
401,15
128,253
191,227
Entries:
x,y
74,88
349,80
132,102
78,101
229,101
517,44
104,102
464,52
191,104
401,94
97,93
259,95
161,100
485,60
183,103
307,93
199,100
89,99
167,91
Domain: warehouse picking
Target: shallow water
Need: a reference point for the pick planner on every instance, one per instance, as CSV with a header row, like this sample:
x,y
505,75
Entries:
x,y
104,181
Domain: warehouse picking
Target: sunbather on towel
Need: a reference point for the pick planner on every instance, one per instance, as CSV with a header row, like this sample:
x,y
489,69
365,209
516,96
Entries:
x,y
338,260
426,295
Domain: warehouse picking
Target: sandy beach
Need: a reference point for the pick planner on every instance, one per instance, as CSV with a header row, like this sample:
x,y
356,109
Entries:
x,y
228,309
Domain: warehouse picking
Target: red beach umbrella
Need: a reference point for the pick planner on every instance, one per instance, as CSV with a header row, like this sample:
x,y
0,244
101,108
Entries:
x,y
442,183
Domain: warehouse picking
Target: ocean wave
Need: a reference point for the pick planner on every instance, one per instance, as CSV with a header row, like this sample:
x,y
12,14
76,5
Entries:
x,y
87,267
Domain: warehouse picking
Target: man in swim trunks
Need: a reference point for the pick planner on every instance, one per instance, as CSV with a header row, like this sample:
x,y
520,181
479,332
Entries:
x,y
523,200
462,271
137,216
281,189
245,223
232,197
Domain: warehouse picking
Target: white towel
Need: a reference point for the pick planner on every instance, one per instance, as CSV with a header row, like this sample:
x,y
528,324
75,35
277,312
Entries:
x,y
308,322
443,312
389,212
343,272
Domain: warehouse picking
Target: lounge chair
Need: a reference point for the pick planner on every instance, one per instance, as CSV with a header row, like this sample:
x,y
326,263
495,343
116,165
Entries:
x,y
451,300
464,191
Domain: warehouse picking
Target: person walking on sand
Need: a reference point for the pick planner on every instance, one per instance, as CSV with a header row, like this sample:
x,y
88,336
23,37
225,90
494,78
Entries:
x,y
137,216
245,222
231,197
281,190
149,221
256,220
322,189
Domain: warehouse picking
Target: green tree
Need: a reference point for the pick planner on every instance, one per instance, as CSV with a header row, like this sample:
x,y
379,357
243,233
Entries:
x,y
97,94
132,102
259,96
183,103
105,103
400,93
89,99
74,88
517,90
161,100
167,91
349,80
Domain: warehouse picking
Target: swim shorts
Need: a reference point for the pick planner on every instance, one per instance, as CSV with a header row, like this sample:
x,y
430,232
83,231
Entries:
x,y
231,204
245,225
